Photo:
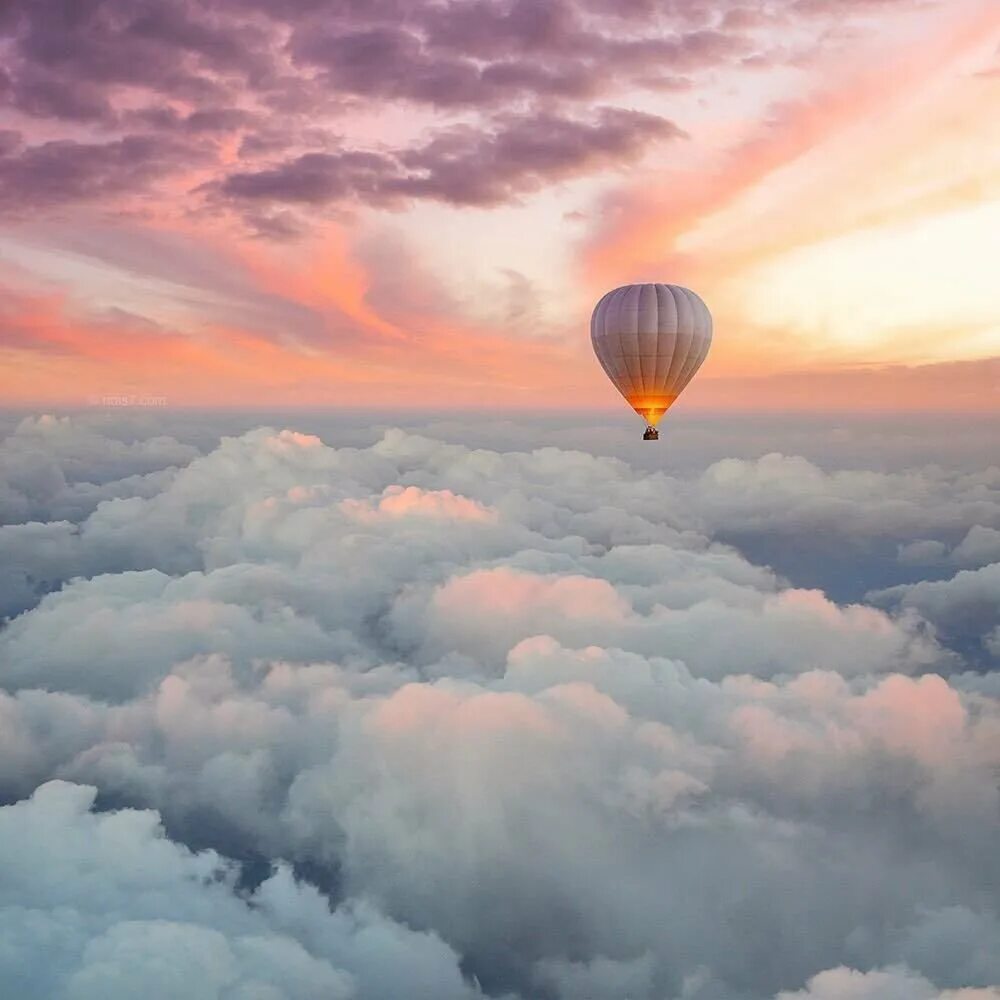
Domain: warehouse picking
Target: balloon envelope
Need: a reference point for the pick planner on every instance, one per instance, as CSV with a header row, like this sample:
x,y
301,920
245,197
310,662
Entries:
x,y
651,339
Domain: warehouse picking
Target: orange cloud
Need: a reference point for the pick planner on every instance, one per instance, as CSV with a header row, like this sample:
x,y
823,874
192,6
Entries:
x,y
56,353
506,593
69,359
411,501
970,386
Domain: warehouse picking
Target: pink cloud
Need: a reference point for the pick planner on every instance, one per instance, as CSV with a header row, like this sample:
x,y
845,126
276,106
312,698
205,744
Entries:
x,y
411,501
510,594
921,716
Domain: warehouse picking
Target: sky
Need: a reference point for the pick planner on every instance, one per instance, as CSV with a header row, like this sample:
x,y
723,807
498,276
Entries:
x,y
389,204
354,645
341,710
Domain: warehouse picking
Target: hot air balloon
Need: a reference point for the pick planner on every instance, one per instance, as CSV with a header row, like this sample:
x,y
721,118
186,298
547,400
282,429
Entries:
x,y
650,340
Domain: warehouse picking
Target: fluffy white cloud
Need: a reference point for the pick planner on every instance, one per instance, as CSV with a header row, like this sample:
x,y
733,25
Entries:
x,y
965,608
104,905
520,712
483,614
979,547
791,495
586,802
60,468
888,984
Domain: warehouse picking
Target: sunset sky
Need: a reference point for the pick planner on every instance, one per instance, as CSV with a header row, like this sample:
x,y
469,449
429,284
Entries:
x,y
393,203
355,644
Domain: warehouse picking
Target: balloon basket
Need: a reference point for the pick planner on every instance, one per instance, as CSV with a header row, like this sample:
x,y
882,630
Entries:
x,y
651,434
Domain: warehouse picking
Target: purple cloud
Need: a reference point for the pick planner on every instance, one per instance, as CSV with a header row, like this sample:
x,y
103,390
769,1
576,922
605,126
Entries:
x,y
515,81
65,170
462,165
68,59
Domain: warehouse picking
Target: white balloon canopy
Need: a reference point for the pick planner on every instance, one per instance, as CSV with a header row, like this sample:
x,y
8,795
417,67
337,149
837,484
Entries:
x,y
651,340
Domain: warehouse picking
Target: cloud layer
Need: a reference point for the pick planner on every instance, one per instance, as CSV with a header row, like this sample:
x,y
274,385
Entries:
x,y
430,720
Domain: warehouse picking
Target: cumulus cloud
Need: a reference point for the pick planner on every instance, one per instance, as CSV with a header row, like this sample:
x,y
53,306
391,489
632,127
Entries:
x,y
104,905
964,607
54,472
425,719
979,547
58,468
890,984
790,494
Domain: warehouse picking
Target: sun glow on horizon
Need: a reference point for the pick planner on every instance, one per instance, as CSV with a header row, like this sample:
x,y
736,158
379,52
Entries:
x,y
917,292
